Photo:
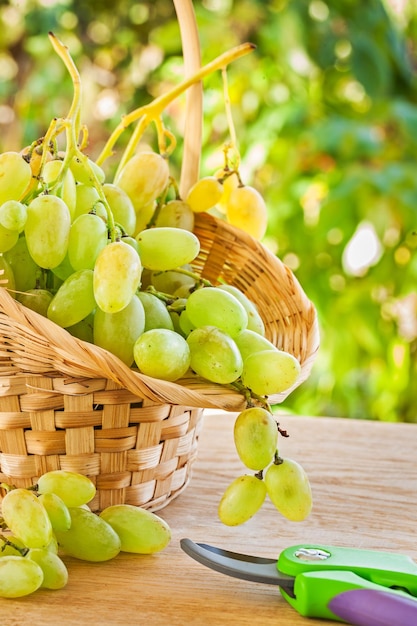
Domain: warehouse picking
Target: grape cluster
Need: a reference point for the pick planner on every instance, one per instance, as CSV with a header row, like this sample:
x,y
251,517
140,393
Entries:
x,y
111,262
282,479
71,249
43,524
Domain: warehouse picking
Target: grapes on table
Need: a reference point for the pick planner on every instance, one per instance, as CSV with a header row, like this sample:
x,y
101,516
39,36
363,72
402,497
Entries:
x,y
140,531
45,523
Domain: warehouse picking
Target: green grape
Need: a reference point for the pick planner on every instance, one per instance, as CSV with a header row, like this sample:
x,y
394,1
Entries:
x,y
83,330
162,353
19,576
117,332
156,312
204,194
27,518
144,177
167,248
90,538
185,323
289,489
11,546
13,215
140,531
131,241
255,322
241,500
47,230
87,237
144,215
74,489
57,510
63,270
61,184
249,341
36,299
171,281
8,238
121,207
270,371
25,270
211,306
176,214
55,573
86,170
15,176
230,182
246,209
74,300
53,545
256,437
87,198
175,318
7,275
214,355
117,274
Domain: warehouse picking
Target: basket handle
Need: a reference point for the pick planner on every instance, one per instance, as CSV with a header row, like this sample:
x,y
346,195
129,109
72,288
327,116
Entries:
x,y
194,96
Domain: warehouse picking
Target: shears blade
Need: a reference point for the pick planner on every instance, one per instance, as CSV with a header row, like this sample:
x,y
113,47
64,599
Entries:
x,y
247,567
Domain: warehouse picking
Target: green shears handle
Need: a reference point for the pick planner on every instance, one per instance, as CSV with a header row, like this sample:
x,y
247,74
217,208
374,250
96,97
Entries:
x,y
323,572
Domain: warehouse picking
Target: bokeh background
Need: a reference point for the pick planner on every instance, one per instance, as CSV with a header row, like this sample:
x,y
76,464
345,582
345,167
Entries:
x,y
325,112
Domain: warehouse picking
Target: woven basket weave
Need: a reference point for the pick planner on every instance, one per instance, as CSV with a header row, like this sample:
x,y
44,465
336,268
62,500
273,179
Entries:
x,y
67,404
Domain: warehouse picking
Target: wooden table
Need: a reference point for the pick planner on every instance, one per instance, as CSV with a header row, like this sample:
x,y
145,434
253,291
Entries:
x,y
364,480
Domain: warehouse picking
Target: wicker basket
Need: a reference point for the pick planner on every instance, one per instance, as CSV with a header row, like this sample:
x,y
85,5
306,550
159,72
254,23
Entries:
x,y
67,404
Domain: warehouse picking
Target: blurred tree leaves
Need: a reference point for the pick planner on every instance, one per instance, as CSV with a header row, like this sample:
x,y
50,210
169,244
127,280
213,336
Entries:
x,y
326,117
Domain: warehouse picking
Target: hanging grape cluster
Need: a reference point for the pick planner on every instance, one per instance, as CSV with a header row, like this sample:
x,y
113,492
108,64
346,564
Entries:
x,y
282,479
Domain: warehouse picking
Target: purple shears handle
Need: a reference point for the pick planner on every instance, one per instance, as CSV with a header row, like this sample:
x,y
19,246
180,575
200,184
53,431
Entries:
x,y
369,607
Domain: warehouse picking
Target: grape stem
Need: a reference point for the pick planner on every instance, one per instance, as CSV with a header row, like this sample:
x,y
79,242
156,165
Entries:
x,y
282,431
252,399
277,459
153,111
7,542
72,125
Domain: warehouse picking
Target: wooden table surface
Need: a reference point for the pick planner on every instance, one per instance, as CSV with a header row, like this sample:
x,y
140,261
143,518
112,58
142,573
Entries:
x,y
364,481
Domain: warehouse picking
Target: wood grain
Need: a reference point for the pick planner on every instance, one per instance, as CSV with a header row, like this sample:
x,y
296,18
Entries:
x,y
364,482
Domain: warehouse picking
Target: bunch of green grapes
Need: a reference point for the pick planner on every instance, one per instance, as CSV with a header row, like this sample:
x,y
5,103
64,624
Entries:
x,y
111,263
283,480
52,520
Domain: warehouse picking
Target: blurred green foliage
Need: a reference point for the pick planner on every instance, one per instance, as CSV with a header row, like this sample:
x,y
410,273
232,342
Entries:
x,y
325,112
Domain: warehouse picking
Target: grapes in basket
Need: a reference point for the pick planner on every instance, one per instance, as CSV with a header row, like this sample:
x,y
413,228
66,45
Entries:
x,y
115,263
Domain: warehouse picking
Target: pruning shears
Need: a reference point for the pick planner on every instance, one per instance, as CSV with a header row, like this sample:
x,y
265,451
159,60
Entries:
x,y
360,587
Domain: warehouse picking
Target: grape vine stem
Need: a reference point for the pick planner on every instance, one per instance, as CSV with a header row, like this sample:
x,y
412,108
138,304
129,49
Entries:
x,y
150,112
